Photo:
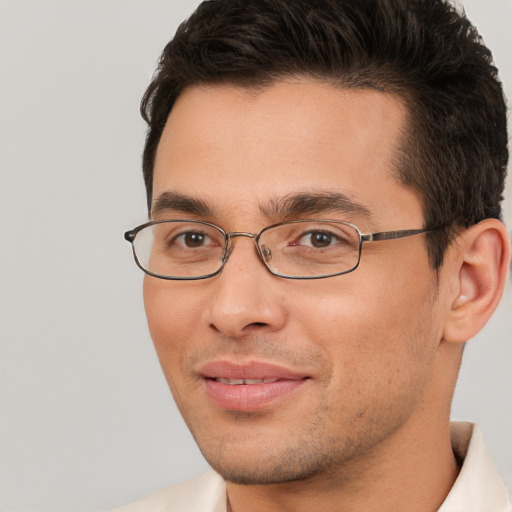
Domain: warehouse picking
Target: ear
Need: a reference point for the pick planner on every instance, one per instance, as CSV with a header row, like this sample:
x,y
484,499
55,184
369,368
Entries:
x,y
478,268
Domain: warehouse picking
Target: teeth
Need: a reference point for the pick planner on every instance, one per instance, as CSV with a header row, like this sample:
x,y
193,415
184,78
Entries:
x,y
253,381
231,382
238,382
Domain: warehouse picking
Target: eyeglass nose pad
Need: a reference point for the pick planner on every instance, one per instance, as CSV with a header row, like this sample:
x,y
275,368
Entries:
x,y
228,250
266,252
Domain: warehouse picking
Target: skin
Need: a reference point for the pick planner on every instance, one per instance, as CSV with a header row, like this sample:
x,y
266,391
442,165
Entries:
x,y
368,430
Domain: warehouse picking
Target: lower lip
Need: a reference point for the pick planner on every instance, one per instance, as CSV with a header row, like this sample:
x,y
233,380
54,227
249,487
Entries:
x,y
250,397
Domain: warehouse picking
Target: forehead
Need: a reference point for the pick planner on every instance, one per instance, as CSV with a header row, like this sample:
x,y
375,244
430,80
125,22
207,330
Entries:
x,y
238,149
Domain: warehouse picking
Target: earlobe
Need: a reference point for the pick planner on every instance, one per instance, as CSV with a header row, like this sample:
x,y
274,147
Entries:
x,y
480,270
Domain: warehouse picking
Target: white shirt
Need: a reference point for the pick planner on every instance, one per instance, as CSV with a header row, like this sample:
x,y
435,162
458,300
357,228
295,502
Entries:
x,y
478,488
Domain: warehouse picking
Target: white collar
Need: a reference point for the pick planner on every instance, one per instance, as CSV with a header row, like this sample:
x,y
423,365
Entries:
x,y
479,487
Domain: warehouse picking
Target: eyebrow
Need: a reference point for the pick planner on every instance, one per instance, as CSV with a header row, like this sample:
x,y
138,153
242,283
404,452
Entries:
x,y
176,202
314,203
291,206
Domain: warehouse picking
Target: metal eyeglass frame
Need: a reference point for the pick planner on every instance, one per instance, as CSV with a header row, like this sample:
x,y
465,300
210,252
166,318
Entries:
x,y
229,236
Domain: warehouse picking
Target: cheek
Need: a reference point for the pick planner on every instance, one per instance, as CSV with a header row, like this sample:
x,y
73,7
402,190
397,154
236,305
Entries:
x,y
365,329
379,351
173,313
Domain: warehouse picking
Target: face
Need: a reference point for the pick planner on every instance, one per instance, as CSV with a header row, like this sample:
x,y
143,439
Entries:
x,y
283,379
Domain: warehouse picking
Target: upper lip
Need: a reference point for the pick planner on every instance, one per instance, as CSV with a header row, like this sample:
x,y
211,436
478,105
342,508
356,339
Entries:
x,y
248,370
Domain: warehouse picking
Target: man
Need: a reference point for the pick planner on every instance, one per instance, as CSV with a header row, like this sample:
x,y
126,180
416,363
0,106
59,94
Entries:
x,y
324,182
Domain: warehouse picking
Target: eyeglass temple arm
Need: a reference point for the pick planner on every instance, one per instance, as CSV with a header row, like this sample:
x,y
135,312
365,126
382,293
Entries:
x,y
391,235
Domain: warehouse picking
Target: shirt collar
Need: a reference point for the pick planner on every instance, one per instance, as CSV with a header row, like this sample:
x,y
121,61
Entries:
x,y
479,487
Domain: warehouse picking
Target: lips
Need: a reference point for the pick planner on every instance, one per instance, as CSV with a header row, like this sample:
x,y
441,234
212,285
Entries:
x,y
249,386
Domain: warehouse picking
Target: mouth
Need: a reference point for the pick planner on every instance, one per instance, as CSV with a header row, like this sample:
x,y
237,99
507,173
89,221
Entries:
x,y
249,386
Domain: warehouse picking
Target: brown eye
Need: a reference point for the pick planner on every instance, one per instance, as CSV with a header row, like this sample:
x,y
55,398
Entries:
x,y
318,239
193,239
321,239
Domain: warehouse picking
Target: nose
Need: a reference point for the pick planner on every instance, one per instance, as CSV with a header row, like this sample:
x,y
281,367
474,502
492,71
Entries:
x,y
246,297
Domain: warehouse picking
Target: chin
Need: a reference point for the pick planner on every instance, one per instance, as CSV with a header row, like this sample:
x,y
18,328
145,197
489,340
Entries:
x,y
265,469
264,476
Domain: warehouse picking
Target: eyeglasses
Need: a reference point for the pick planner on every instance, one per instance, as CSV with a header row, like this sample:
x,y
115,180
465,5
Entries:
x,y
298,249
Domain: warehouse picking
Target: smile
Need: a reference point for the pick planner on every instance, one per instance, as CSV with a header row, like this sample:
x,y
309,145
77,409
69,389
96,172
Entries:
x,y
249,385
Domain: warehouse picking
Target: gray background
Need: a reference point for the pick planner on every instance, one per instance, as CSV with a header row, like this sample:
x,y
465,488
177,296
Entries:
x,y
86,419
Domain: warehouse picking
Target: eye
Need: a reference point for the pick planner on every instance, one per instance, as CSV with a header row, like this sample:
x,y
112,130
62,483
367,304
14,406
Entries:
x,y
318,239
192,239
